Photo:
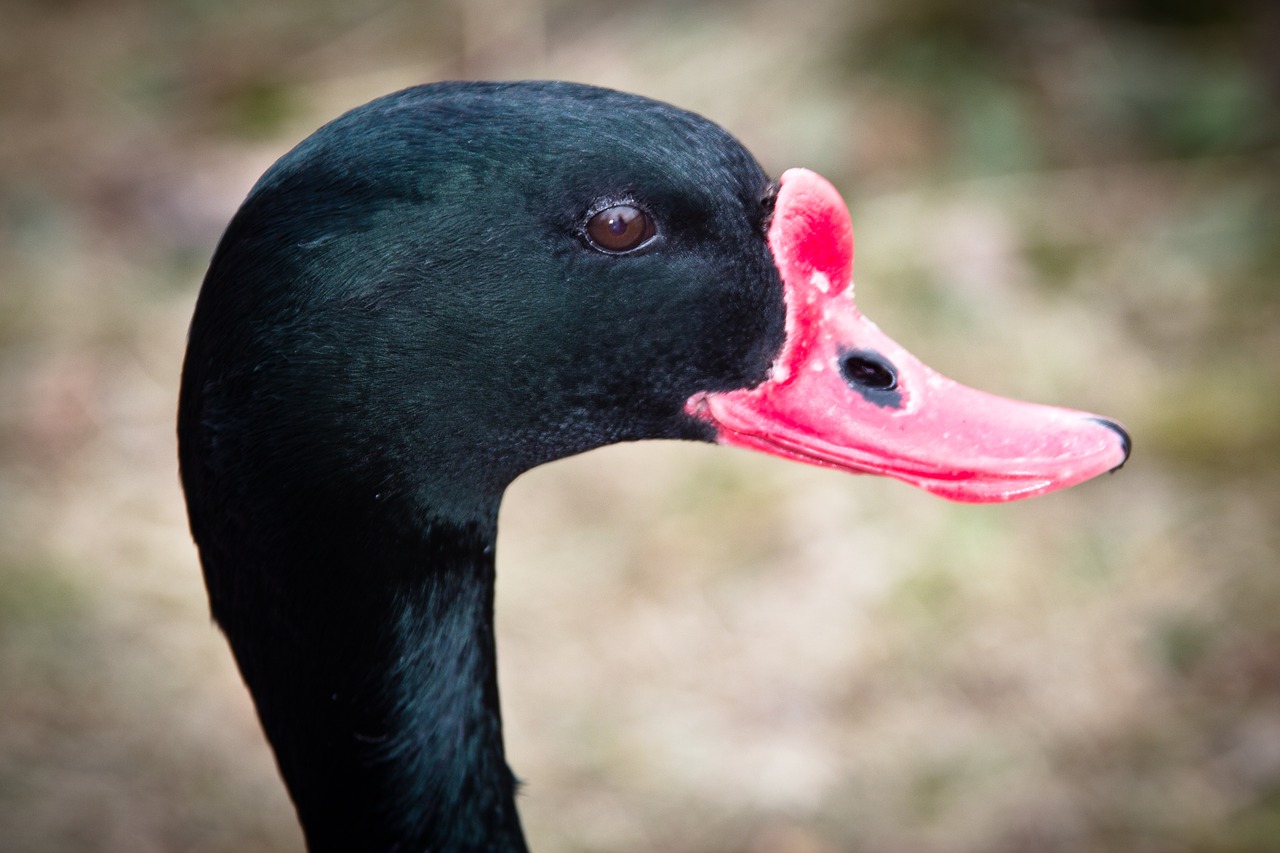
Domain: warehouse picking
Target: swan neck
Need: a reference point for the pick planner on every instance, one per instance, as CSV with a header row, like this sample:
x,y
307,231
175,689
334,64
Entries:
x,y
380,696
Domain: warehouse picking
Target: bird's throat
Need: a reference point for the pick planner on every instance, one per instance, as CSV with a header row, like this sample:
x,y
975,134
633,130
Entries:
x,y
381,702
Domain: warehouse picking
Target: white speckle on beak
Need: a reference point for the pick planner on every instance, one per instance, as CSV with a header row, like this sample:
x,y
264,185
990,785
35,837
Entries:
x,y
820,281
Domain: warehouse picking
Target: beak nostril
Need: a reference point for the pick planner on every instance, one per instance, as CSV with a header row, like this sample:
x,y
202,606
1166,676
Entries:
x,y
866,369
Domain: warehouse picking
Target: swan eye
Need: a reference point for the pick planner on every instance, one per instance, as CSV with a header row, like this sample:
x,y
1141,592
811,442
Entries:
x,y
620,228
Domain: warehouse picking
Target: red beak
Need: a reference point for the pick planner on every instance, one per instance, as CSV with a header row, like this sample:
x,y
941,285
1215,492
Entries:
x,y
842,394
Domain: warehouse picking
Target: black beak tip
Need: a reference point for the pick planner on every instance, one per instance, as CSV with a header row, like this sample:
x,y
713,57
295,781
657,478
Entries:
x,y
1125,441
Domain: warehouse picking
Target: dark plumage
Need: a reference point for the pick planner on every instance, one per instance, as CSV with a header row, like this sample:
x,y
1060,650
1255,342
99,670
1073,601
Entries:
x,y
406,313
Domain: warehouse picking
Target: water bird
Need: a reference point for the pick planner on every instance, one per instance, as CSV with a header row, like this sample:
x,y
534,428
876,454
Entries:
x,y
458,282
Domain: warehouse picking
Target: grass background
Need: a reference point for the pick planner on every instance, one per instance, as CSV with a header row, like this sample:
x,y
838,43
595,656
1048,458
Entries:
x,y
702,650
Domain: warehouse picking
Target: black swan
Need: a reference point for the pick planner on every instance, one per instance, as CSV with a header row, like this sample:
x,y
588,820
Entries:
x,y
453,284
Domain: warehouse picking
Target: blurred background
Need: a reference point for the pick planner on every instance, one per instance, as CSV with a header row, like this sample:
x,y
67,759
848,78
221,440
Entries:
x,y
701,650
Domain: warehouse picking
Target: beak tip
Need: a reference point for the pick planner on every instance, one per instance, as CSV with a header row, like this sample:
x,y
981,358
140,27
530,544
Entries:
x,y
1126,444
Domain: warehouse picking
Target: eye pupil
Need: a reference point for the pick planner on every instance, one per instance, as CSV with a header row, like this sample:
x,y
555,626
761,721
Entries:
x,y
620,228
